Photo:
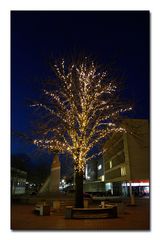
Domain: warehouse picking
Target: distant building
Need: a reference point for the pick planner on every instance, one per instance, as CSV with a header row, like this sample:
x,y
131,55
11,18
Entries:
x,y
94,170
126,159
94,176
91,170
100,170
18,181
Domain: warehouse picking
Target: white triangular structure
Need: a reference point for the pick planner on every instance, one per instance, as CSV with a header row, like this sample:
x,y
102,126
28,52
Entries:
x,y
51,184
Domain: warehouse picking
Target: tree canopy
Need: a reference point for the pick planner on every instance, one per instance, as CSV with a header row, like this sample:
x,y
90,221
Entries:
x,y
79,108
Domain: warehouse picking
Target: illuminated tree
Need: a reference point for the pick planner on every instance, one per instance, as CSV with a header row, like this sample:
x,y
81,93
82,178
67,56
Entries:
x,y
80,109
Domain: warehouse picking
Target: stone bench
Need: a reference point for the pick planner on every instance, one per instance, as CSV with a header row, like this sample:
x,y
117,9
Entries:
x,y
107,212
120,206
41,209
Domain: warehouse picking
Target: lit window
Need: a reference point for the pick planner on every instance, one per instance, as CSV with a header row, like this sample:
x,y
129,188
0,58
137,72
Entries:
x,y
86,172
110,164
123,171
102,178
100,167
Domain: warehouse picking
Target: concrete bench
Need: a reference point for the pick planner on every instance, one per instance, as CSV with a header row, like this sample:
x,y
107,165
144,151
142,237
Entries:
x,y
120,206
42,210
107,212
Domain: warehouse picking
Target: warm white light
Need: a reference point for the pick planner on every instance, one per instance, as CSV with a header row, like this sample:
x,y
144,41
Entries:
x,y
102,178
86,108
110,164
123,171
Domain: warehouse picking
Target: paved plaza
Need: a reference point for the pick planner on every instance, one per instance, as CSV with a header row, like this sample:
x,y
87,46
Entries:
x,y
133,218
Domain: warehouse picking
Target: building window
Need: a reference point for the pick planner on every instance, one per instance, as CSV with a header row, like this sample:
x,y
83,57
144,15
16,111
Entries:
x,y
102,178
99,167
86,172
110,164
123,171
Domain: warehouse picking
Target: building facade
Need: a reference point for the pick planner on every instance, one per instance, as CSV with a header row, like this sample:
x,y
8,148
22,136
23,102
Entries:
x,y
18,181
126,159
91,170
100,170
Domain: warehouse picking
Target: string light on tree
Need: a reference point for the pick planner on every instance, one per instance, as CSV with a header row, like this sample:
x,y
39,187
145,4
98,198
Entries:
x,y
84,110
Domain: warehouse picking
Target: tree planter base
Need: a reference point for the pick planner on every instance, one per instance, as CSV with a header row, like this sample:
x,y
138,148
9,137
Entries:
x,y
91,213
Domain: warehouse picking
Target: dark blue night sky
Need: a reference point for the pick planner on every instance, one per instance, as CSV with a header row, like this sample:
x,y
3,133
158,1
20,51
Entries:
x,y
119,37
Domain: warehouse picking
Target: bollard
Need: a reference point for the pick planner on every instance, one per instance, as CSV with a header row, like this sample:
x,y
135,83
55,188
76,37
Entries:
x,y
102,204
68,212
132,200
56,204
86,203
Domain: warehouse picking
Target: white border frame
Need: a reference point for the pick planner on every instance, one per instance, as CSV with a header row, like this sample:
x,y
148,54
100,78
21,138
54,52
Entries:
x,y
5,7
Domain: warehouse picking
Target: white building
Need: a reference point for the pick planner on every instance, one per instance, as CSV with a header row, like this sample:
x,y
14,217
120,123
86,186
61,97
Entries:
x,y
126,159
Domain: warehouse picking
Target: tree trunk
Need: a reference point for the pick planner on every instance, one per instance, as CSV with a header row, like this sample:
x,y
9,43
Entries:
x,y
79,189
